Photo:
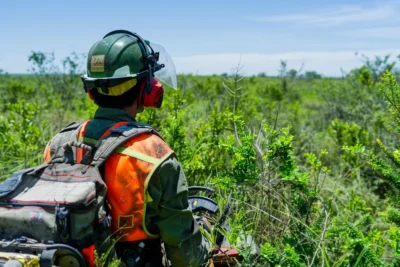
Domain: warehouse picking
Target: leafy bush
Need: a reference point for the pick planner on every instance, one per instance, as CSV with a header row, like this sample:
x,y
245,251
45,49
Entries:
x,y
294,156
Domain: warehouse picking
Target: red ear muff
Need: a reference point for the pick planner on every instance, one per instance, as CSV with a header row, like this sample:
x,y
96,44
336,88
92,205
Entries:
x,y
154,97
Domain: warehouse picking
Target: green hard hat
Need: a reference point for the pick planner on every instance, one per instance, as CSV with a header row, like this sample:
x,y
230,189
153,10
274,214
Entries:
x,y
113,54
121,58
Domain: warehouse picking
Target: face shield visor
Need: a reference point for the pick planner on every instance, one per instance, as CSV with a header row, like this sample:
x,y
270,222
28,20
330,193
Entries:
x,y
167,74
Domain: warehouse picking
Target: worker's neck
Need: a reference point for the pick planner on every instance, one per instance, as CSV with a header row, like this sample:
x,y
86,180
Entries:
x,y
132,110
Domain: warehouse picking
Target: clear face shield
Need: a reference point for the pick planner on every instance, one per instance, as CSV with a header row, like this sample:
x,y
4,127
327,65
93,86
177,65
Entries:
x,y
166,75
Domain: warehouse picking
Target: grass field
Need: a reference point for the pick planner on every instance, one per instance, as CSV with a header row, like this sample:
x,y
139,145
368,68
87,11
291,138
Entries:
x,y
309,164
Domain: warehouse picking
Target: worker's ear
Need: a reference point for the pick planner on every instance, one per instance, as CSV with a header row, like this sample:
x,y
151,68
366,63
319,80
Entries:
x,y
90,95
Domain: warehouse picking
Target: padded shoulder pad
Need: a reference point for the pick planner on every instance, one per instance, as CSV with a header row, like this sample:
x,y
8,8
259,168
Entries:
x,y
67,134
71,127
131,128
109,143
127,127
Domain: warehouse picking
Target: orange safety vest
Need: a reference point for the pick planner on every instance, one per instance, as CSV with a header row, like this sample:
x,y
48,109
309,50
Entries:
x,y
127,173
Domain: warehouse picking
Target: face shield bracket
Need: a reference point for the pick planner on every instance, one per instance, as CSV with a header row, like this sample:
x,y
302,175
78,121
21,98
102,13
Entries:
x,y
157,56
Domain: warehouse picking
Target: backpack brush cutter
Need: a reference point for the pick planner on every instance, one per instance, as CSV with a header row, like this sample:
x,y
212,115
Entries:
x,y
27,252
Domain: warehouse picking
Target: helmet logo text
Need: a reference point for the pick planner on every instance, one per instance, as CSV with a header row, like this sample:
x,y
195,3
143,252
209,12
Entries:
x,y
97,63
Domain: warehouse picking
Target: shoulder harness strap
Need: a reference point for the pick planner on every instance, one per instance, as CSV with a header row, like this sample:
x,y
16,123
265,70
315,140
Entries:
x,y
113,141
72,126
67,134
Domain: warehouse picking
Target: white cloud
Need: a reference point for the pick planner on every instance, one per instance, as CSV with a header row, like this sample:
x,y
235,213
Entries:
x,y
327,63
337,15
376,32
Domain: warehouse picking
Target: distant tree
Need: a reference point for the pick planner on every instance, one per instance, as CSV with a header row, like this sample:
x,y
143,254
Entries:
x,y
262,74
283,68
288,77
311,75
363,75
282,74
61,82
292,73
378,66
373,69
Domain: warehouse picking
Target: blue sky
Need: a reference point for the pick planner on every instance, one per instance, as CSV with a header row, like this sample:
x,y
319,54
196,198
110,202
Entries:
x,y
206,37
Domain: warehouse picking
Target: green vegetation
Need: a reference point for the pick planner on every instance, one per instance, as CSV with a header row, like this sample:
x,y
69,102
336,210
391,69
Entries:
x,y
309,164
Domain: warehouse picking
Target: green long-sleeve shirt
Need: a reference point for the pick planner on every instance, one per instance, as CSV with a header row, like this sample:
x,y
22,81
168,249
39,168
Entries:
x,y
169,213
